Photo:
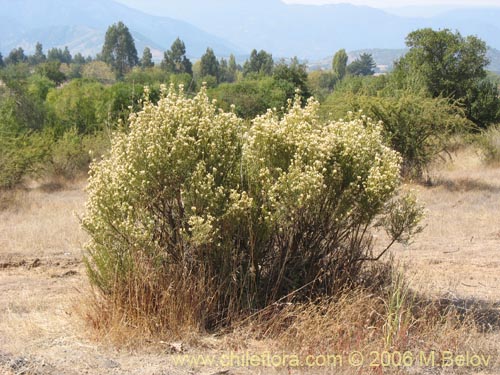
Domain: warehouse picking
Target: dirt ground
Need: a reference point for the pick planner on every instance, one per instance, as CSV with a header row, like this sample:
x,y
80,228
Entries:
x,y
42,276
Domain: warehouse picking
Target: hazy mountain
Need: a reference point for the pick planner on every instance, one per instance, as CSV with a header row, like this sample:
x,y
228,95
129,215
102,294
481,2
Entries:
x,y
81,25
385,58
315,31
229,26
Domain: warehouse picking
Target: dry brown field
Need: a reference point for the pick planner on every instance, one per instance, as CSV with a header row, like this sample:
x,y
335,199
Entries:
x,y
42,279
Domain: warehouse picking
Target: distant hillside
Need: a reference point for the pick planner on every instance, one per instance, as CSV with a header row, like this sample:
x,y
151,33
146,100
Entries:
x,y
81,25
232,26
384,58
313,31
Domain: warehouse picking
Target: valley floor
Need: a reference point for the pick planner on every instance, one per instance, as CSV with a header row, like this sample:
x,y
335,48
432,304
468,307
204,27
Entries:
x,y
42,277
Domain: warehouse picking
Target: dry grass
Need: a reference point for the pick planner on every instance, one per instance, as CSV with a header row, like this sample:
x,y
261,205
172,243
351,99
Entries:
x,y
40,223
368,323
458,253
42,280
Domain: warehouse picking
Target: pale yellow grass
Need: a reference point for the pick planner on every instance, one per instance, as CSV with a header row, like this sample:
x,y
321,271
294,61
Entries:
x,y
458,253
45,224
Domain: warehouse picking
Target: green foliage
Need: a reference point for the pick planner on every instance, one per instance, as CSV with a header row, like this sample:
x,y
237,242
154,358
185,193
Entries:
x,y
79,59
52,71
419,128
81,104
339,64
16,56
321,83
119,101
39,86
451,65
175,60
18,104
147,77
209,66
252,97
366,85
292,77
259,63
489,143
38,57
62,56
363,66
147,58
21,150
119,49
196,219
482,103
71,154
229,70
99,71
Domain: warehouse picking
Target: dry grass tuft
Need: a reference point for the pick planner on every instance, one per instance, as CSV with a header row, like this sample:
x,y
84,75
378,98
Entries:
x,y
394,319
176,314
15,199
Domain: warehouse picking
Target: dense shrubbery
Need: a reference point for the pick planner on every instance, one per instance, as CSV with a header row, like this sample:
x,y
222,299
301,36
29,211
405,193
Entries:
x,y
418,127
196,218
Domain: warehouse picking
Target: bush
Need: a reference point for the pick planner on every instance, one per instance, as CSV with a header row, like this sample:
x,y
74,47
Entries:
x,y
252,97
71,154
418,127
80,103
196,220
489,142
20,155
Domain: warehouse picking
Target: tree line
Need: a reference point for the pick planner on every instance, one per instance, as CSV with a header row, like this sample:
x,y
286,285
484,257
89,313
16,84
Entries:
x,y
56,103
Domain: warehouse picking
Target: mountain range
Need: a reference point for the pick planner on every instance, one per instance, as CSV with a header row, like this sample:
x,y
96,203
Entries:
x,y
310,32
82,24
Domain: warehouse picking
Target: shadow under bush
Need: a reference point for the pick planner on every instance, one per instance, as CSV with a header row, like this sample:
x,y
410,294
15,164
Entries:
x,y
197,220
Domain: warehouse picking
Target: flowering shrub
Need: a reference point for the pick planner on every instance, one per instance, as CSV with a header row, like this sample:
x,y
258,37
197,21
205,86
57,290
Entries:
x,y
197,218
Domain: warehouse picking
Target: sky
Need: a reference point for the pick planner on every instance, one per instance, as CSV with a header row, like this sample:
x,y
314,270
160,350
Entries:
x,y
402,3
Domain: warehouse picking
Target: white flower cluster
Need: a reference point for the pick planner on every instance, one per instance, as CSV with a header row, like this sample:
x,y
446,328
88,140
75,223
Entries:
x,y
301,161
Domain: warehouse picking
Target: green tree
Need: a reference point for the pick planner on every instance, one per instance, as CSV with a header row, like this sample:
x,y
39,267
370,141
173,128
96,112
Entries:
x,y
38,57
364,66
294,75
119,49
259,63
79,59
175,60
16,56
57,54
209,66
51,70
2,64
232,69
482,103
223,70
147,58
449,65
252,97
339,64
66,56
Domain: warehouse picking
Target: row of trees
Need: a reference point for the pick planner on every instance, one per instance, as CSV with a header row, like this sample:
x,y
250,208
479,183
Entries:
x,y
440,82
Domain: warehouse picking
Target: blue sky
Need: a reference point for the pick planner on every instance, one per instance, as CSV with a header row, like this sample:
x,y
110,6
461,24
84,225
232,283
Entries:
x,y
402,3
